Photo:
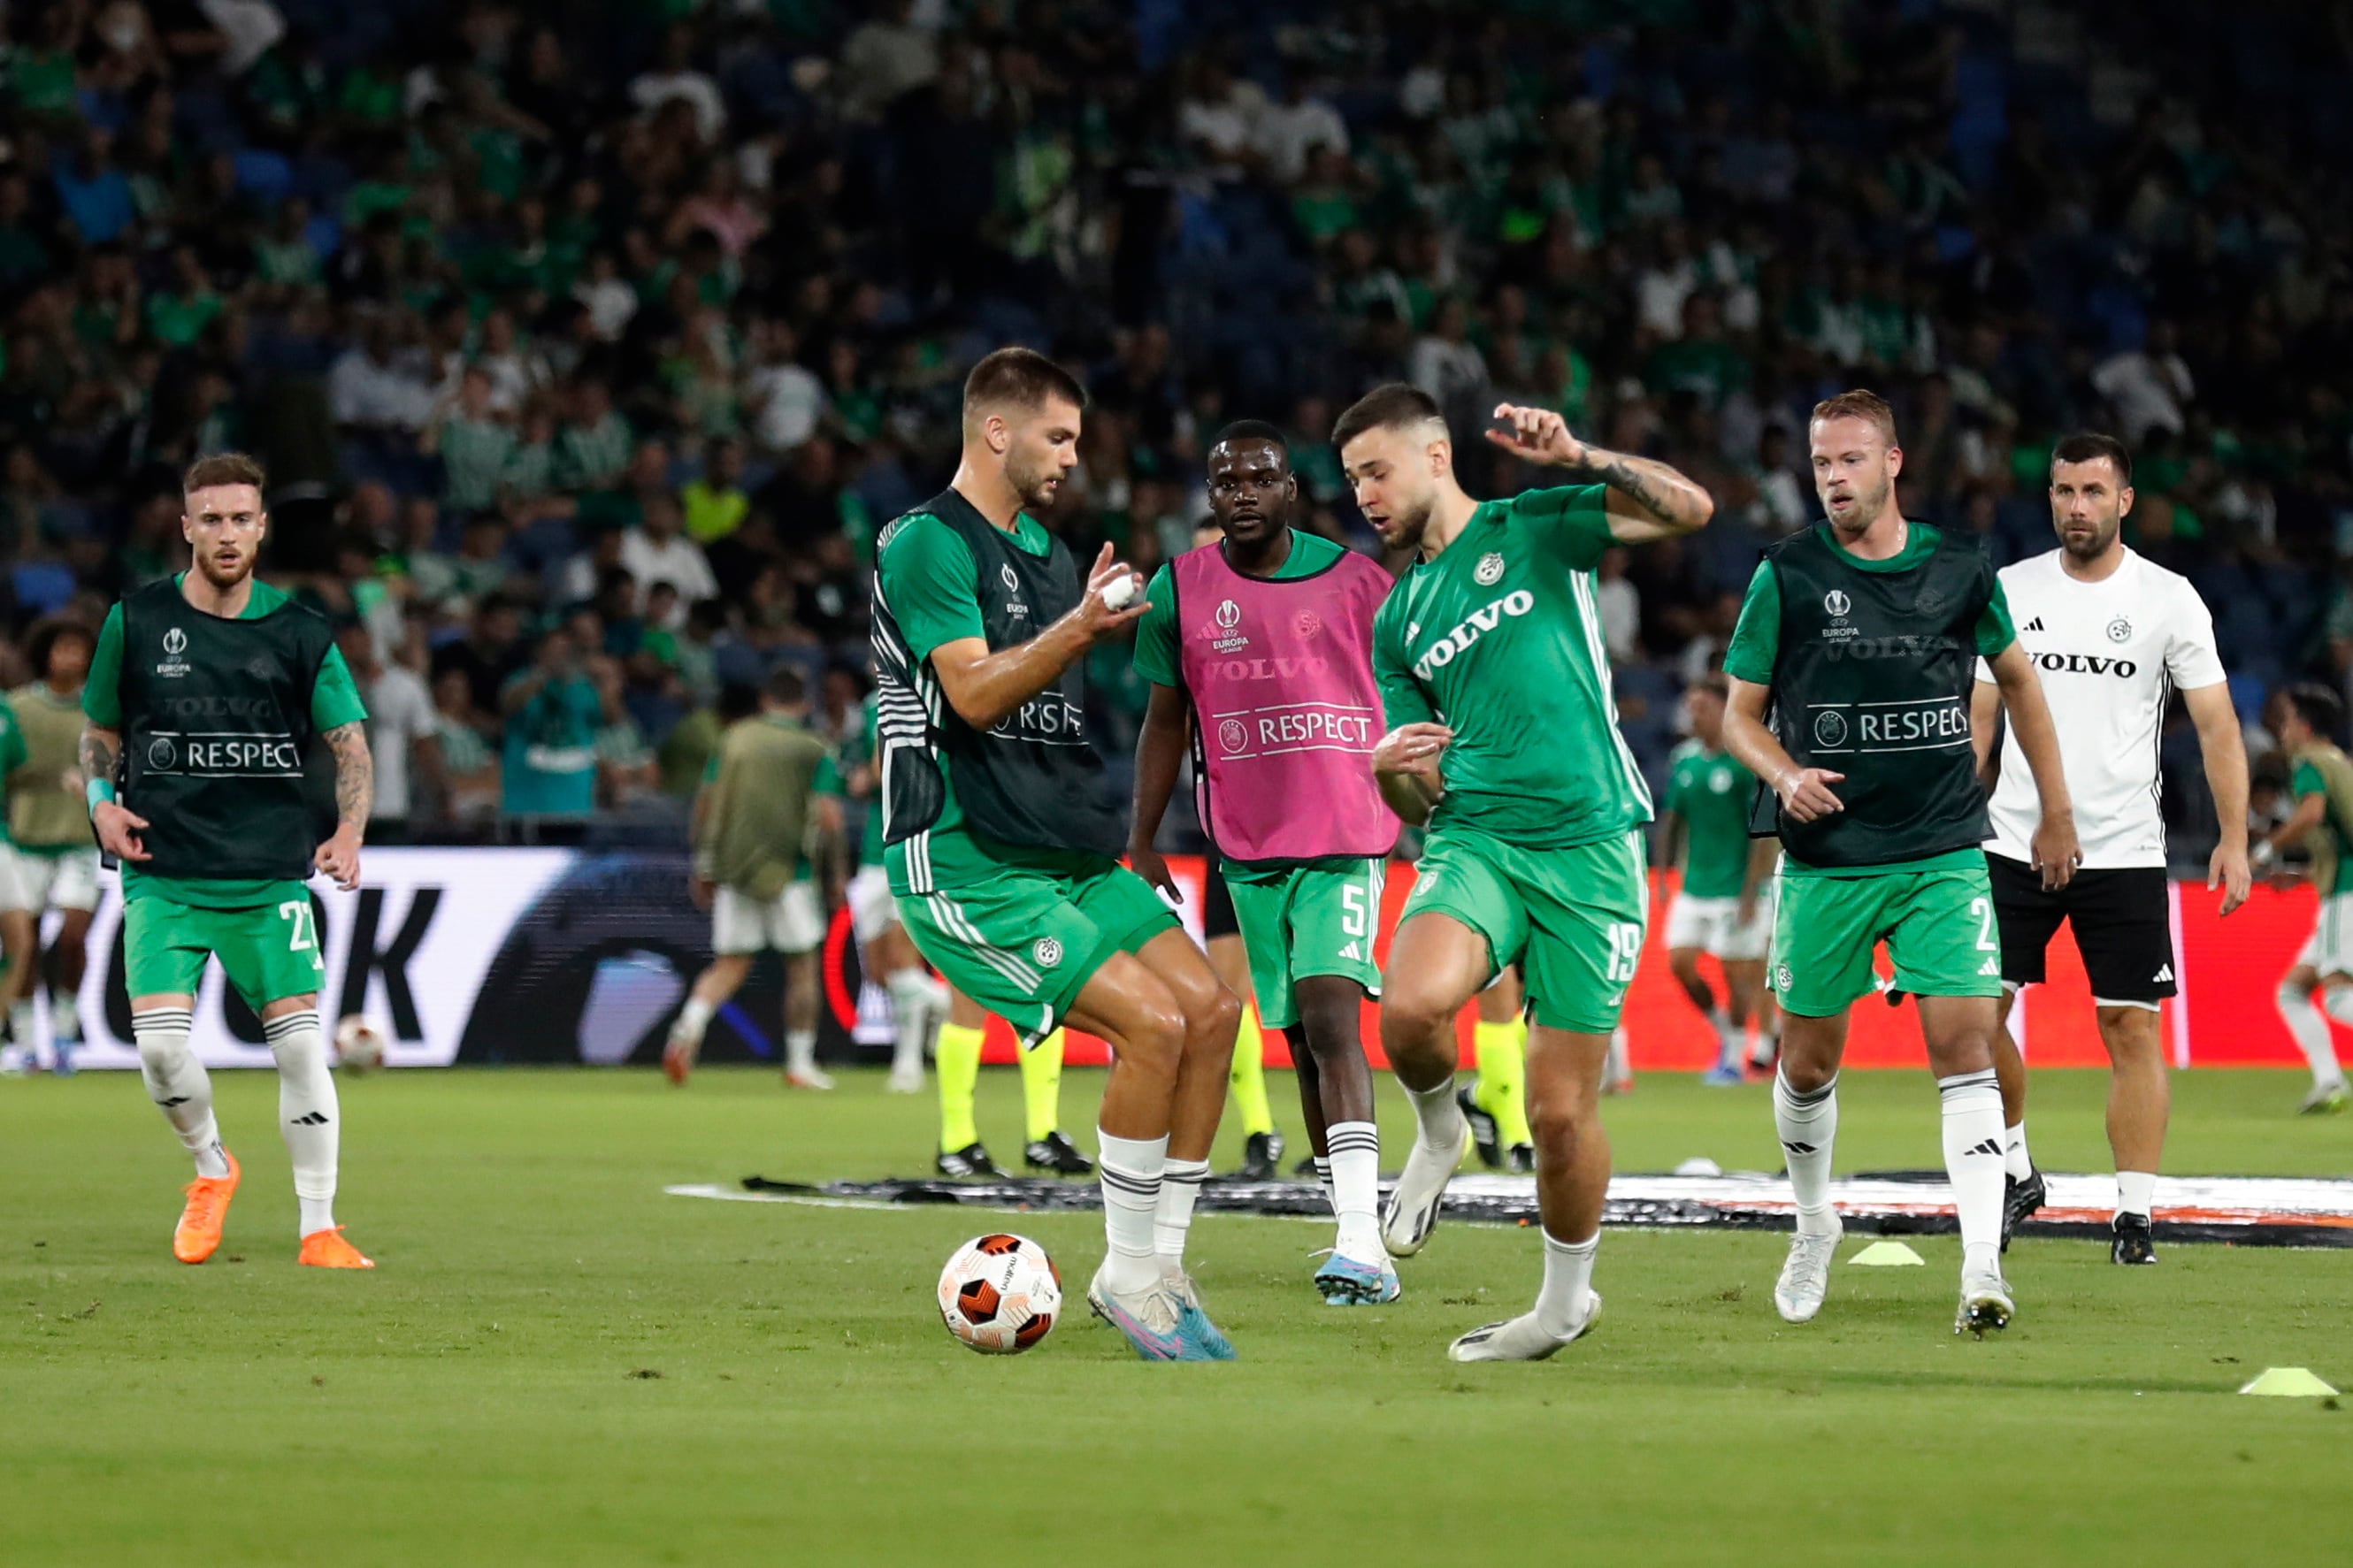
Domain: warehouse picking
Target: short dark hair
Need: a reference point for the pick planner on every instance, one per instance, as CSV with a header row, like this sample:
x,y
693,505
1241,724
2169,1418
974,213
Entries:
x,y
1861,402
785,686
1395,407
2318,706
222,469
1023,378
2090,447
1253,430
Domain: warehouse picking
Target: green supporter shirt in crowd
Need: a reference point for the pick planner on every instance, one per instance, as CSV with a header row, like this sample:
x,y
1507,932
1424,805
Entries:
x,y
925,574
1711,793
858,754
1500,638
335,700
12,757
1756,644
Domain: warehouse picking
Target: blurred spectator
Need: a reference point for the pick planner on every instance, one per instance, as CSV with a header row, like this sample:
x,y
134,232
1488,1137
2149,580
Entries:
x,y
402,732
552,713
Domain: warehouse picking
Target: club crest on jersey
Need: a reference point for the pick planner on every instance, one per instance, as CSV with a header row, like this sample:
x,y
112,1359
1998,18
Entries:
x,y
1490,570
1225,635
1307,624
2120,630
1837,603
1047,952
1233,735
1929,603
175,643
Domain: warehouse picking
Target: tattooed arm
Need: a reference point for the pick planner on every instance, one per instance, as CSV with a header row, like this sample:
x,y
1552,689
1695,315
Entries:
x,y
339,856
1648,499
102,764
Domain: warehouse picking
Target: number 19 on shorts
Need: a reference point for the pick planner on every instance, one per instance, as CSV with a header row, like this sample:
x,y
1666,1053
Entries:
x,y
1625,950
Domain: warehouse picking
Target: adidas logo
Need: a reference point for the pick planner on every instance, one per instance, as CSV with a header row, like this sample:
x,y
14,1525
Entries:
x,y
1988,967
1799,1147
2033,625
1991,1146
316,1119
2163,976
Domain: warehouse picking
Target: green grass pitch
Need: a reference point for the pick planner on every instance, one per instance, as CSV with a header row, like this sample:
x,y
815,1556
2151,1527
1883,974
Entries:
x,y
557,1362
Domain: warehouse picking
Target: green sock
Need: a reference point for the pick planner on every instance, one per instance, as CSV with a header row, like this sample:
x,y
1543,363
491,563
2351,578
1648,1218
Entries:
x,y
1501,1089
1041,1085
957,1058
1246,1080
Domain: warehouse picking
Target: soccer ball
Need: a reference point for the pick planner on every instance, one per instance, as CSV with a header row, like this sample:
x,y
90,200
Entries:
x,y
358,1046
999,1294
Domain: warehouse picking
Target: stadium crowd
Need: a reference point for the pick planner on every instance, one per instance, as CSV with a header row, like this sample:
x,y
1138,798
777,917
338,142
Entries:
x,y
587,362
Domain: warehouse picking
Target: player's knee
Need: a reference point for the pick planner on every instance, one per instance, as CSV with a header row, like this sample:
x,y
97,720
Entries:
x,y
1414,1022
1215,1017
1155,1033
1559,1114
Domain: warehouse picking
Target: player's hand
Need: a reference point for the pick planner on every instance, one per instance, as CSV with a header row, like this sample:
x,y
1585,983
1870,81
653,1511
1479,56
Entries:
x,y
339,858
1413,751
2056,853
1098,618
2228,870
701,889
115,824
1805,794
1147,862
1536,436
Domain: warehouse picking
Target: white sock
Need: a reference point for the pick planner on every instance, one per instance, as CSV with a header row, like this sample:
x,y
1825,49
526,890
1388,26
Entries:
x,y
1807,1128
2136,1192
1769,1045
307,1114
693,1019
20,1021
1438,1121
2337,1001
800,1050
2311,1031
1973,1163
1172,1217
1355,1166
1568,1280
177,1081
1129,1170
1620,1067
65,1017
1729,1039
1324,1180
2015,1160
910,1015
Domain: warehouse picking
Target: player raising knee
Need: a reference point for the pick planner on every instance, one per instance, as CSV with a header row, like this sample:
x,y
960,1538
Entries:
x,y
1002,834
1258,648
1505,739
1862,635
204,693
1725,905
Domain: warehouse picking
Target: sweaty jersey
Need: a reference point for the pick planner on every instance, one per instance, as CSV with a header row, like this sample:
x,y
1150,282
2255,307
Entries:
x,y
2109,654
1710,792
1499,638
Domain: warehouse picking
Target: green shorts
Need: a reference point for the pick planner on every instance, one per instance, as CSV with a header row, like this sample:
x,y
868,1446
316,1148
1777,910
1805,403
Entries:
x,y
1304,922
269,952
1023,943
1939,925
1572,919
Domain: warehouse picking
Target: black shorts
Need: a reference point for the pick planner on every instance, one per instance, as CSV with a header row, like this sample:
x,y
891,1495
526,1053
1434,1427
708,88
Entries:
x,y
2121,917
1217,907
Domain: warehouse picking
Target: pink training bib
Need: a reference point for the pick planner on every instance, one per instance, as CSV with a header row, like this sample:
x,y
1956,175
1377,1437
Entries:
x,y
1285,710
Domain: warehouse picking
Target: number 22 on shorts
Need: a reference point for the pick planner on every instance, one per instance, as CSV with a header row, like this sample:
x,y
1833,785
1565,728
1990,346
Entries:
x,y
304,934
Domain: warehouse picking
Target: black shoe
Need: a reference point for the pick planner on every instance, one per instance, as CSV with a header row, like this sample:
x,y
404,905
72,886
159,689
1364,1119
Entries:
x,y
1057,1155
1520,1159
1261,1157
2019,1199
2135,1242
1483,1136
1306,1166
972,1160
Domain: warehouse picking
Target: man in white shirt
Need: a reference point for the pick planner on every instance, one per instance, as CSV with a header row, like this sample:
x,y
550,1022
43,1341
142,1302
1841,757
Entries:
x,y
2112,634
2150,388
656,552
404,735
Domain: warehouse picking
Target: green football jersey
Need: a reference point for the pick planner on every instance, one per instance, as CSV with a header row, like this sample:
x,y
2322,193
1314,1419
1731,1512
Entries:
x,y
1500,638
1710,792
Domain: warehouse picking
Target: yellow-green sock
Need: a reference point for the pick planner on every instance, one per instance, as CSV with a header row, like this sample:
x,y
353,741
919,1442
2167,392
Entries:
x,y
956,1057
1501,1089
1041,1085
1246,1077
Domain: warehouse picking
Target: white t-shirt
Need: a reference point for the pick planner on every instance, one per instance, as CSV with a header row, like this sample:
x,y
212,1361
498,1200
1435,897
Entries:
x,y
399,714
2108,654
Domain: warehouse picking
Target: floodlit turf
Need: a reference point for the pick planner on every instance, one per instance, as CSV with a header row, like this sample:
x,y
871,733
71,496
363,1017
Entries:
x,y
555,1363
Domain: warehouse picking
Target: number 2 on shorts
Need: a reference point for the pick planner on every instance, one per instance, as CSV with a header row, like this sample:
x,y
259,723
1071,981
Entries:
x,y
1983,910
304,936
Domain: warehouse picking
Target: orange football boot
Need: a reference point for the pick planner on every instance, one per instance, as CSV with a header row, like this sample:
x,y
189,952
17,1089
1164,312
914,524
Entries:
x,y
328,1249
199,1231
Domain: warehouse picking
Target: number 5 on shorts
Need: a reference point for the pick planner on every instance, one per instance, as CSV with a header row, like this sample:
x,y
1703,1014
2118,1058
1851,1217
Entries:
x,y
304,936
1625,952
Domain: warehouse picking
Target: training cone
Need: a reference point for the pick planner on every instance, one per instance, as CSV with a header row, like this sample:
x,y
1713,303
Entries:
x,y
1887,1255
2288,1382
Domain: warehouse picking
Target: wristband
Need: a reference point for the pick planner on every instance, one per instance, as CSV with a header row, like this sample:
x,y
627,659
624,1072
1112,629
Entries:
x,y
97,791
